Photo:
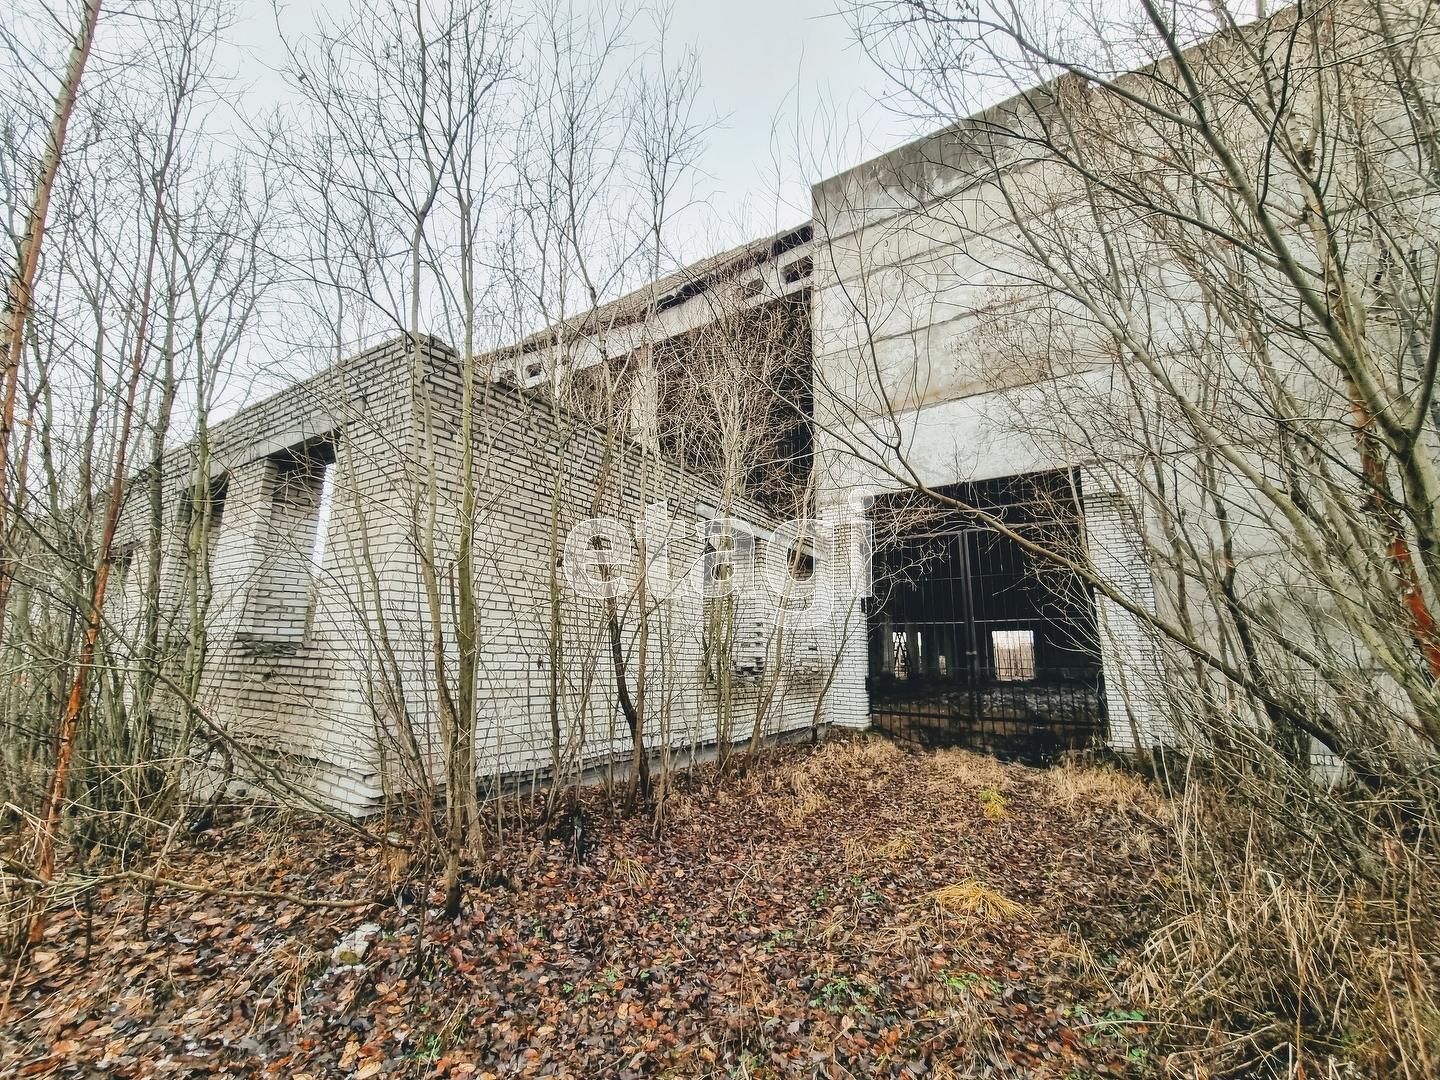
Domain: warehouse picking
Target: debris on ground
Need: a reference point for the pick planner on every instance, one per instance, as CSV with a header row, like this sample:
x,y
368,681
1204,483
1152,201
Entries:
x,y
851,910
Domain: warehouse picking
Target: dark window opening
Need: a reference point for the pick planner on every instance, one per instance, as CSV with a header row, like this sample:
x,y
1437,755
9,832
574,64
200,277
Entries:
x,y
688,291
773,341
800,563
791,240
212,504
201,511
973,641
798,270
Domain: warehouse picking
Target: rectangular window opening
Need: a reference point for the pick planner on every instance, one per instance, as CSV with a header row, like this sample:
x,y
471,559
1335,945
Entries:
x,y
215,503
900,654
322,520
1014,652
296,536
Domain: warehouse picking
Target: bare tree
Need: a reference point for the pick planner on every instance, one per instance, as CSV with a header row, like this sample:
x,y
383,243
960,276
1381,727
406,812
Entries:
x,y
21,286
129,324
604,154
430,76
733,395
1201,260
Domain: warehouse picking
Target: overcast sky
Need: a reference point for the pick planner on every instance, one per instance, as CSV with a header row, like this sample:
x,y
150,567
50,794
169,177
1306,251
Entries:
x,y
768,67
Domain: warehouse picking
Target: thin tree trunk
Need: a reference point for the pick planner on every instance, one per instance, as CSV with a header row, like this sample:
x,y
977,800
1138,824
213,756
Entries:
x,y
65,738
21,288
1382,505
640,777
460,807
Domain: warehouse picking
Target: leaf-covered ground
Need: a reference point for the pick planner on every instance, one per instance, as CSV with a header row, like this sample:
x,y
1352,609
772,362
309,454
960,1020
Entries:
x,y
853,910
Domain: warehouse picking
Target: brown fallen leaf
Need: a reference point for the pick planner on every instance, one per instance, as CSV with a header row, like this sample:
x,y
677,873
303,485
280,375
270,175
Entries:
x,y
350,1053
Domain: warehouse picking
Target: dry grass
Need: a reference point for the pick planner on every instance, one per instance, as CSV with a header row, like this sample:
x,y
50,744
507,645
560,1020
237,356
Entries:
x,y
1082,789
972,772
971,1026
1120,802
630,871
1075,953
854,850
835,927
973,900
897,847
995,805
397,865
804,797
806,793
1274,946
863,753
679,808
913,941
905,938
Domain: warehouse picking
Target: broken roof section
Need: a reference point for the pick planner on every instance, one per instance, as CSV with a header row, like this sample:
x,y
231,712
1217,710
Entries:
x,y
760,270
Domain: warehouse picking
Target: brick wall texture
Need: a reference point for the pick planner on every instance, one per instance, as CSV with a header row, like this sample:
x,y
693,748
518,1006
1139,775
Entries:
x,y
316,650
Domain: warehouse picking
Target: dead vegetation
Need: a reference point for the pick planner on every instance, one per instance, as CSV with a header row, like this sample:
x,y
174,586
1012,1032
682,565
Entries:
x,y
1270,952
846,910
972,900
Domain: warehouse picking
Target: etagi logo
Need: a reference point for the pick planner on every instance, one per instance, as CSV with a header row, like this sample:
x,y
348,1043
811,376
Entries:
x,y
805,568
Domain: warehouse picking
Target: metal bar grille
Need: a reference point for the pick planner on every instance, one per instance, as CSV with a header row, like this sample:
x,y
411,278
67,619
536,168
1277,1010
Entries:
x,y
972,644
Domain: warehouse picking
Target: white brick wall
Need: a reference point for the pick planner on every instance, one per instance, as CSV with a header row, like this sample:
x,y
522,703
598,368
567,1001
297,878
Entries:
x,y
321,703
1129,652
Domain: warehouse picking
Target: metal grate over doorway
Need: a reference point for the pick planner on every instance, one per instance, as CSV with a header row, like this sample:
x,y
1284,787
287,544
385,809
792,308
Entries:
x,y
975,643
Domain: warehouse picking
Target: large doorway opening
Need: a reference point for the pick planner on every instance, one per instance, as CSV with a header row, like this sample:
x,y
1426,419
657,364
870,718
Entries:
x,y
976,642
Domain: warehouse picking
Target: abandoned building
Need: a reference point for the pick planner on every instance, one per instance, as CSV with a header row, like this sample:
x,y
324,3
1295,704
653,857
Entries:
x,y
318,620
318,627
